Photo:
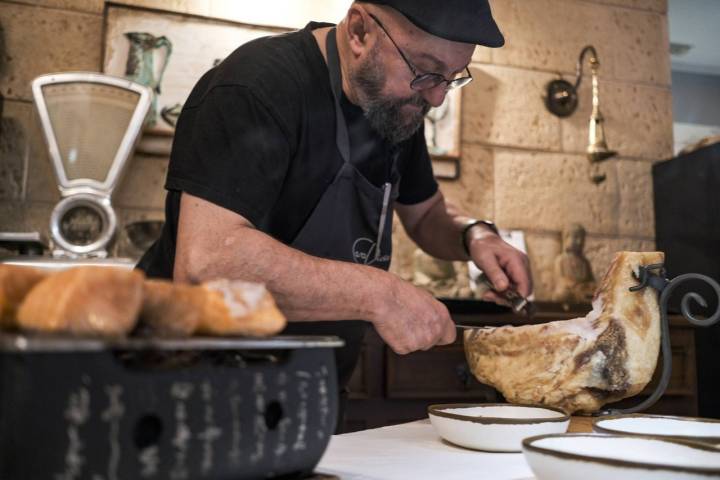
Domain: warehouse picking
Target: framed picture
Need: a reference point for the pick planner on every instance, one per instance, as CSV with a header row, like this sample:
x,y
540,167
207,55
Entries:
x,y
442,133
169,52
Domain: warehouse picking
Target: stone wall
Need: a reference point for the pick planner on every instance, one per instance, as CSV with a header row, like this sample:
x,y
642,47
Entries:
x,y
521,166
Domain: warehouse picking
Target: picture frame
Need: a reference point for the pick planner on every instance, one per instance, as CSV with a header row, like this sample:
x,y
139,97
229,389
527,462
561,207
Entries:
x,y
442,135
169,52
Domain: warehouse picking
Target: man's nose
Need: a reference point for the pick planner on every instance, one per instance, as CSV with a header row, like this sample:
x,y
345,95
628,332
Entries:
x,y
436,95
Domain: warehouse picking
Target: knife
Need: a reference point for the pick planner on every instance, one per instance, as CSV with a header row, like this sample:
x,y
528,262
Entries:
x,y
517,301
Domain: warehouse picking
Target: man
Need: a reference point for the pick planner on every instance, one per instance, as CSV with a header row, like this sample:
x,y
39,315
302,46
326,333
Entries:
x,y
290,157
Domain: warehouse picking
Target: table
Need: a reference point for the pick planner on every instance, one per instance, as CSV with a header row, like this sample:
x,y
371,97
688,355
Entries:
x,y
413,450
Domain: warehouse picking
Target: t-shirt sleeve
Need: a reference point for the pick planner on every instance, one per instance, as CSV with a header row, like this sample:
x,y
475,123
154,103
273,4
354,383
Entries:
x,y
229,149
417,183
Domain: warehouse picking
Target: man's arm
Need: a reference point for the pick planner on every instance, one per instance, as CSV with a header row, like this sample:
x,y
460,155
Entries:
x,y
213,242
438,232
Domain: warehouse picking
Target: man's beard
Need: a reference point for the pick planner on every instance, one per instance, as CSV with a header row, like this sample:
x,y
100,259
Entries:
x,y
385,114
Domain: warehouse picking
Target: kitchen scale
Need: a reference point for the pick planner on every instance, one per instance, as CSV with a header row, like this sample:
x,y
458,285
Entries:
x,y
91,123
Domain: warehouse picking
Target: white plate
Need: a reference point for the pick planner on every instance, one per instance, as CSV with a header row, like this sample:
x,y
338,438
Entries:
x,y
604,457
682,428
494,427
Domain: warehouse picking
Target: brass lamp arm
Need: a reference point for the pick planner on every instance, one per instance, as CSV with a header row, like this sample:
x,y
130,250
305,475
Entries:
x,y
594,64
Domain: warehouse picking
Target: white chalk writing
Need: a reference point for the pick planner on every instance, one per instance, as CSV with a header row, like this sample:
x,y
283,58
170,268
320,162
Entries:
x,y
212,431
259,427
77,413
234,454
113,415
181,392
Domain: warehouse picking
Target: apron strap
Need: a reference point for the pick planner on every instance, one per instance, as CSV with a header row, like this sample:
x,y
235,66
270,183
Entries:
x,y
341,132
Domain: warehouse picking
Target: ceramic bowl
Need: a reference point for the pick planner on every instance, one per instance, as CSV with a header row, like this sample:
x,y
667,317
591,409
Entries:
x,y
680,428
495,427
602,457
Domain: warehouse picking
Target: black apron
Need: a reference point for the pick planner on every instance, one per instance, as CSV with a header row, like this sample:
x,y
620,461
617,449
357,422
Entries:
x,y
352,222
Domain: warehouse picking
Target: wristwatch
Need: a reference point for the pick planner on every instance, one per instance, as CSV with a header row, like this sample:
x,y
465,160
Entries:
x,y
470,224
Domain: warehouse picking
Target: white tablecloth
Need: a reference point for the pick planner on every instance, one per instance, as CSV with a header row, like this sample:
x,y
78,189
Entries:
x,y
414,451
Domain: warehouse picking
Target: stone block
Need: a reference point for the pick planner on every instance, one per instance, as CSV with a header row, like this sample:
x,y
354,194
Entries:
x,y
550,34
638,120
143,184
659,6
600,250
636,215
542,249
14,150
544,191
473,192
280,13
503,106
42,40
88,6
639,47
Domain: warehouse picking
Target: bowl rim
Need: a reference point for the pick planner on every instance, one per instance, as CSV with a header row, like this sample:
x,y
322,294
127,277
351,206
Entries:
x,y
438,411
527,445
699,438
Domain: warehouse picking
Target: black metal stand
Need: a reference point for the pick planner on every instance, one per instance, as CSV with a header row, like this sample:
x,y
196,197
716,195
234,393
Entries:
x,y
654,276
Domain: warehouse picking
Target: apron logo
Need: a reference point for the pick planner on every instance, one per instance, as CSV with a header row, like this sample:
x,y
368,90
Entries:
x,y
363,251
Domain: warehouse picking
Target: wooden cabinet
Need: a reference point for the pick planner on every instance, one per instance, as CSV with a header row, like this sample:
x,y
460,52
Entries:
x,y
387,388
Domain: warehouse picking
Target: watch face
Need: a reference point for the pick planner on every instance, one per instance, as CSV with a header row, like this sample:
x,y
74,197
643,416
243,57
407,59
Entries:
x,y
81,225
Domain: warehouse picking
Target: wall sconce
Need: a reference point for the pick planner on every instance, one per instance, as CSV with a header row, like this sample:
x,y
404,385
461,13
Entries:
x,y
562,100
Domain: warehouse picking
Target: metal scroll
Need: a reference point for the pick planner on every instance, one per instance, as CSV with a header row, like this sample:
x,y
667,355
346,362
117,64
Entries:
x,y
653,276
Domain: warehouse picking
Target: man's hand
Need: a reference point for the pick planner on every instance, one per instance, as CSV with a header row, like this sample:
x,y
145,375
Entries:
x,y
503,264
410,319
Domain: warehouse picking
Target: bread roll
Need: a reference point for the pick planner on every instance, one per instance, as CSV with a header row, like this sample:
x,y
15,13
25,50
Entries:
x,y
171,309
235,307
93,301
15,283
221,307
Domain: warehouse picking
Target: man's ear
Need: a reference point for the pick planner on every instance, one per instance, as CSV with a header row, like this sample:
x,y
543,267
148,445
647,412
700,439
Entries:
x,y
358,35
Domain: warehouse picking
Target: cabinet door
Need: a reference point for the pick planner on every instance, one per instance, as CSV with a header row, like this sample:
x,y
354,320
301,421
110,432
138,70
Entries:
x,y
440,373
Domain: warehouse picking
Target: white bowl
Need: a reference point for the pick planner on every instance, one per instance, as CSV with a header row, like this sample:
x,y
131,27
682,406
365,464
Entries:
x,y
495,427
603,457
682,428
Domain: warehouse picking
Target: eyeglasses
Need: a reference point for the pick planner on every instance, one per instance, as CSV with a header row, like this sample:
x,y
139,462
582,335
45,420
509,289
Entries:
x,y
426,81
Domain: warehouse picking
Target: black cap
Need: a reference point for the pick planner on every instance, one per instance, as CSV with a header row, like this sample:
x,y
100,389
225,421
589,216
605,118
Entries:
x,y
466,21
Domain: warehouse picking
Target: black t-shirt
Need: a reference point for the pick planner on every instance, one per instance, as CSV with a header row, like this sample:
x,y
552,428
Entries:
x,y
257,137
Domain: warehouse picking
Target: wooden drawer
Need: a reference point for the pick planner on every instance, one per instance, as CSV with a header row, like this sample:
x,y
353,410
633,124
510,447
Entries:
x,y
440,373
